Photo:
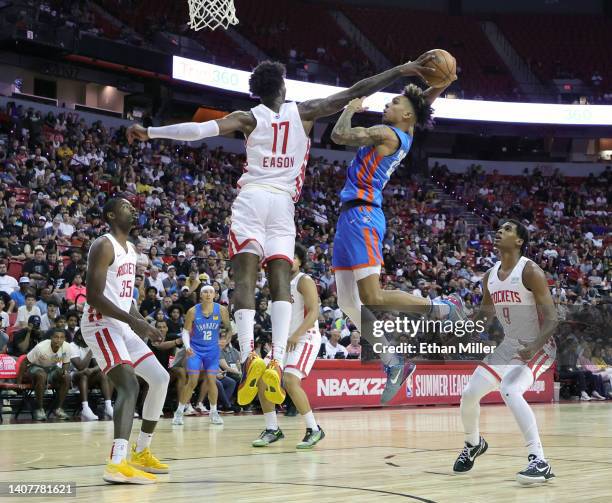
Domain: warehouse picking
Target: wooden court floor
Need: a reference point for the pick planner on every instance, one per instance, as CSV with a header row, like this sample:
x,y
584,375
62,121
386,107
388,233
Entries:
x,y
368,455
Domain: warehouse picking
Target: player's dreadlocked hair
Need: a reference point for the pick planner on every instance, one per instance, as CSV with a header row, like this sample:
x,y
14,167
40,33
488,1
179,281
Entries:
x,y
422,109
267,79
301,253
522,232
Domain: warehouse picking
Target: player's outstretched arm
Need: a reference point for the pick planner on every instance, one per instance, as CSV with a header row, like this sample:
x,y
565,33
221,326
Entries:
x,y
535,280
344,134
192,131
100,258
322,107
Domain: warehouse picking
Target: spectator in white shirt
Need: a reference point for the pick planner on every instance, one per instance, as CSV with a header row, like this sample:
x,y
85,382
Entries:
x,y
4,317
333,348
48,362
155,280
29,309
8,284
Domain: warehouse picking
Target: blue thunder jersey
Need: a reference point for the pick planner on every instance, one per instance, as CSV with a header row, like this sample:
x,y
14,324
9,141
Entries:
x,y
204,335
369,172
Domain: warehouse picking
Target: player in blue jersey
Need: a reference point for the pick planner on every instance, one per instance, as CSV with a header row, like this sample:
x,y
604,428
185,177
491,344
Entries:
x,y
357,256
201,338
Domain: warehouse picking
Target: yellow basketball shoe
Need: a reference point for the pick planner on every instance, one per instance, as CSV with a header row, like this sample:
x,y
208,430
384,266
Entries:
x,y
252,371
146,462
124,473
273,377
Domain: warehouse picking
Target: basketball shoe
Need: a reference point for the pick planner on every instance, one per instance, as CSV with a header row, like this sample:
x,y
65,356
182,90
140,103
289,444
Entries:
x,y
538,471
396,376
145,461
268,437
311,438
465,461
124,473
273,377
252,371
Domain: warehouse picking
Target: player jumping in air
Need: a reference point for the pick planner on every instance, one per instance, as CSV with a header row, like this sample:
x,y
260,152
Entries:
x,y
515,291
262,224
361,227
112,327
302,349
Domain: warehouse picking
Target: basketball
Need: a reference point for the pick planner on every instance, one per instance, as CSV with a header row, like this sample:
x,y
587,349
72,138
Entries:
x,y
446,65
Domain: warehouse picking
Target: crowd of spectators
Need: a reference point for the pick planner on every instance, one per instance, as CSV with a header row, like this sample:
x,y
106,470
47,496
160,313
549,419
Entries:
x,y
56,171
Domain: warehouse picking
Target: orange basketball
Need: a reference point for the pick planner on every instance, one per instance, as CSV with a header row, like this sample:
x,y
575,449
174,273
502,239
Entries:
x,y
446,67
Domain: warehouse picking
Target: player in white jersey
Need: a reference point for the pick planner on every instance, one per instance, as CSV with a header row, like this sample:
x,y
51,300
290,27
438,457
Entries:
x,y
112,327
302,350
516,293
262,228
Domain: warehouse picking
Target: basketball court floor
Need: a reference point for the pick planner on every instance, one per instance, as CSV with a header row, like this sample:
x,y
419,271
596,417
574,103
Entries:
x,y
402,454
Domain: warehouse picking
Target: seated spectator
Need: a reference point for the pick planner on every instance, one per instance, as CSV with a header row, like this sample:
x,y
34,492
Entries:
x,y
568,369
46,296
155,280
26,311
333,348
151,303
170,283
354,348
597,377
75,293
8,284
37,269
85,374
18,296
175,322
25,339
72,325
49,317
229,364
185,299
4,317
166,349
48,362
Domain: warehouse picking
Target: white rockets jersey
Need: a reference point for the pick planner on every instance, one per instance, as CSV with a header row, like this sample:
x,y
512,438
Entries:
x,y
277,150
515,305
120,279
298,311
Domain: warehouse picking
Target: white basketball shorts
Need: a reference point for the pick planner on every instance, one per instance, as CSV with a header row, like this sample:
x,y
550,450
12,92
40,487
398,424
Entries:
x,y
113,343
262,223
299,362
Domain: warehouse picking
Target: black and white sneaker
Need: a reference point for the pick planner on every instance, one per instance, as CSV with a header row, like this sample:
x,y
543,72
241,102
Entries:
x,y
538,471
268,437
465,461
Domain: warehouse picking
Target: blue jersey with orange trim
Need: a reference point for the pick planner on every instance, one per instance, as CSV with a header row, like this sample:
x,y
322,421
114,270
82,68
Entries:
x,y
205,329
369,172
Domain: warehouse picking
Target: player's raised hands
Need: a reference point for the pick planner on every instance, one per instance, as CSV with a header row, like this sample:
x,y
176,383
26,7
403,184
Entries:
x,y
356,105
419,66
136,132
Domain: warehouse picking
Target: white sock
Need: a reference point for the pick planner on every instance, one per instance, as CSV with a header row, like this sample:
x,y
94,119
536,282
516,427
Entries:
x,y
281,321
108,405
181,408
245,320
311,421
119,450
85,405
144,441
213,408
271,422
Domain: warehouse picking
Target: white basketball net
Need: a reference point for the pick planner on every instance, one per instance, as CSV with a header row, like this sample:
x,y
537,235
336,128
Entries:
x,y
211,14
